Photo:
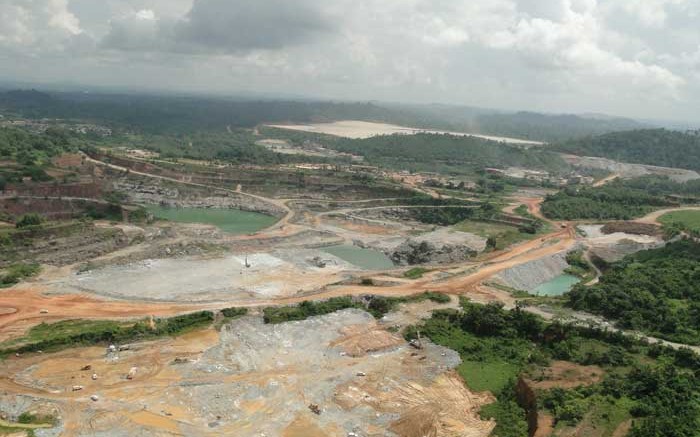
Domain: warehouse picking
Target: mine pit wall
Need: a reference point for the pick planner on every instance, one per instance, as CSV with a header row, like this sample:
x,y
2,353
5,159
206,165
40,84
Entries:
x,y
51,209
260,180
89,190
147,191
534,273
61,244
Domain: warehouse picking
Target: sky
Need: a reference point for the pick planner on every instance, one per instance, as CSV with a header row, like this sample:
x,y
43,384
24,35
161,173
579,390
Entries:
x,y
638,58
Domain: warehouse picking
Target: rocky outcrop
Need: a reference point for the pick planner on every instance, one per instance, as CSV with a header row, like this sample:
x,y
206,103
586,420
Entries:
x,y
439,247
628,171
413,252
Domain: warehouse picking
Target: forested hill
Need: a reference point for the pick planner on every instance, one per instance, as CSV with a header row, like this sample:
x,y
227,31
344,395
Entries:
x,y
178,115
453,153
660,147
526,125
162,114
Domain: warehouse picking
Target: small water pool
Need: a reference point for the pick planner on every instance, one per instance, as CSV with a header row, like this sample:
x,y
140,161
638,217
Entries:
x,y
232,221
557,286
366,259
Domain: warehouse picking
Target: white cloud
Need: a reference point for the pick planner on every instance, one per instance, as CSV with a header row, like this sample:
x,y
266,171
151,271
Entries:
x,y
37,26
60,17
568,54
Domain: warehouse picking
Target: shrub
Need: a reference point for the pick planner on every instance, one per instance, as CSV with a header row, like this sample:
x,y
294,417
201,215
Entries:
x,y
234,312
31,219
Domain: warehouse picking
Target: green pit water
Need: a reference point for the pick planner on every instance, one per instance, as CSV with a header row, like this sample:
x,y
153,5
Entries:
x,y
557,286
232,221
366,259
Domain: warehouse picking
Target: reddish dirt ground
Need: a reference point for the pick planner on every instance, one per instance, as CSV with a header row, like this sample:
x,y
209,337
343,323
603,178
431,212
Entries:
x,y
29,303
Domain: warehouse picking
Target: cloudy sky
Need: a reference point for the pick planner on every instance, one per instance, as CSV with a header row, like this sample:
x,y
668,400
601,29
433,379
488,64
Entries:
x,y
628,57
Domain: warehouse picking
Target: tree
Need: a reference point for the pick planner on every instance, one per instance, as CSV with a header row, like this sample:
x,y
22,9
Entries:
x,y
491,243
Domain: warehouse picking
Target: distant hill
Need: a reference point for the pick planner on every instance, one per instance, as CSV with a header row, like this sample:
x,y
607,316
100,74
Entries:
x,y
660,147
552,128
177,114
525,125
447,153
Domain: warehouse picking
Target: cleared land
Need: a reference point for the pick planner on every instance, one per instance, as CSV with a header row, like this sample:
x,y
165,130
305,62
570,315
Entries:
x,y
363,129
254,379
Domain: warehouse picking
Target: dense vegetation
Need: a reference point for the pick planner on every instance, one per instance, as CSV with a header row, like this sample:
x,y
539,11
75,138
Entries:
x,y
655,291
71,333
550,128
30,153
446,152
618,200
237,147
172,114
655,385
162,114
33,149
660,147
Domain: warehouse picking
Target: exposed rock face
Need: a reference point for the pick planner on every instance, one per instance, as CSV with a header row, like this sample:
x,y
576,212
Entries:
x,y
63,245
612,247
413,252
442,246
154,193
628,171
530,275
617,251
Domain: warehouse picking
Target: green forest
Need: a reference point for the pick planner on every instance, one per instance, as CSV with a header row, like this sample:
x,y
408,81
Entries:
x,y
618,200
655,291
654,386
161,114
236,147
432,152
661,147
30,152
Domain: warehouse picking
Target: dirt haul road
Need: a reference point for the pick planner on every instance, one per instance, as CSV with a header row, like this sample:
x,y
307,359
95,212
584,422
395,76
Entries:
x,y
653,218
24,306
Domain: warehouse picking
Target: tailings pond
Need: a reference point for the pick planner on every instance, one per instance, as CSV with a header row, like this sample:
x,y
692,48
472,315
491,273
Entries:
x,y
557,286
232,221
366,259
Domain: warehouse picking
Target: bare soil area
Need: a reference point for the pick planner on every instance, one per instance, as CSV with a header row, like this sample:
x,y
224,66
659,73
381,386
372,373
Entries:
x,y
363,129
254,379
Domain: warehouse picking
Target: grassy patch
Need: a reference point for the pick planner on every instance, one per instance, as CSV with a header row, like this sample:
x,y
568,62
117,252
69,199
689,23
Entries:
x,y
490,376
415,273
503,234
688,220
16,272
608,413
380,305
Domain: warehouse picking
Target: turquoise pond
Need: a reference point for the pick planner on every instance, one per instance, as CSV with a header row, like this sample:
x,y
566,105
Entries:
x,y
366,259
232,221
557,286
